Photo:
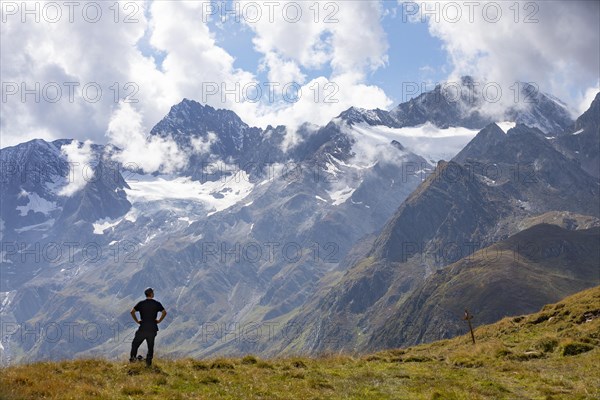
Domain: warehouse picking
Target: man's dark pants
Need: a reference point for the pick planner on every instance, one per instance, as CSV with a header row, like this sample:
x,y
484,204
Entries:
x,y
140,336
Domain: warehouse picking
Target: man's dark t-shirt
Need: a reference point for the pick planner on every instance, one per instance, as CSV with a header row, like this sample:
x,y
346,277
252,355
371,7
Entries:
x,y
148,310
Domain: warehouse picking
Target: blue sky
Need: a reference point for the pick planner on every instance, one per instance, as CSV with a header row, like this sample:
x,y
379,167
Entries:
x,y
413,55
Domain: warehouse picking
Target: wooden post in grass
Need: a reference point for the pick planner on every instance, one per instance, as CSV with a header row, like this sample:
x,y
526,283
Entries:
x,y
468,317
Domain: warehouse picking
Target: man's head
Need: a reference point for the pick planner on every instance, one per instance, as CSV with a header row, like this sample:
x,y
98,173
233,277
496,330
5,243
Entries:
x,y
149,292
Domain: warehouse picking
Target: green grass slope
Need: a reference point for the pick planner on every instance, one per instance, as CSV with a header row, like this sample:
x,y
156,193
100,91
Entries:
x,y
552,354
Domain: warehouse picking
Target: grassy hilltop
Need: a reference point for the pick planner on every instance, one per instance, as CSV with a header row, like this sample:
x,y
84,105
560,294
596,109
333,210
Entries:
x,y
552,354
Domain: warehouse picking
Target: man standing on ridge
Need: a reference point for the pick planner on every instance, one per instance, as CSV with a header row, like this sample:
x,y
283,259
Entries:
x,y
148,310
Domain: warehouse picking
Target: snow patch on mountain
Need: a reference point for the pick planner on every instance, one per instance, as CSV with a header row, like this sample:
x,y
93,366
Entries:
x,y
101,225
185,219
106,223
6,298
330,166
340,196
36,204
215,196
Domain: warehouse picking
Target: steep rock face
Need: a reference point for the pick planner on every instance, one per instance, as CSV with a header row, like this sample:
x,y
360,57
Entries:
x,y
583,141
30,168
451,206
489,137
102,197
529,165
537,266
355,115
589,119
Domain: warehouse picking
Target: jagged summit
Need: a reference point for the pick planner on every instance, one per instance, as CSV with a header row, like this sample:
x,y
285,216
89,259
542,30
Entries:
x,y
187,106
190,117
461,104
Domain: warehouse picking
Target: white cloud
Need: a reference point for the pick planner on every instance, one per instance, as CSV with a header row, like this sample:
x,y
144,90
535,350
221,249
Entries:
x,y
345,36
359,40
150,153
49,56
202,144
79,156
283,71
348,35
300,40
193,58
